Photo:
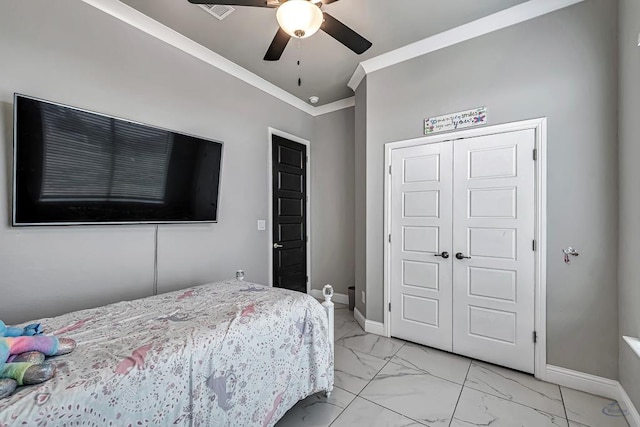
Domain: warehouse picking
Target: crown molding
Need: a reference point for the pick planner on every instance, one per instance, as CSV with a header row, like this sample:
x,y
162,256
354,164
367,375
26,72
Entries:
x,y
160,31
497,21
357,77
508,17
334,106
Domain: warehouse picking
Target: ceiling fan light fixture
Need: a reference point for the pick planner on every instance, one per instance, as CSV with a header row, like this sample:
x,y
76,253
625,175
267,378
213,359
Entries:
x,y
299,18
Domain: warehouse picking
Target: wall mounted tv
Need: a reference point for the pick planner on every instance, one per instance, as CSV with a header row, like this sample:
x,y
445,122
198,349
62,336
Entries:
x,y
72,166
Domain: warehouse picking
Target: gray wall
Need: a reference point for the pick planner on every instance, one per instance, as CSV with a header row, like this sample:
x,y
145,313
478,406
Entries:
x,y
72,53
562,66
629,173
332,210
360,196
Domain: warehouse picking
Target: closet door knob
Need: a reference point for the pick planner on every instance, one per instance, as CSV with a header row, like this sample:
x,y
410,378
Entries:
x,y
444,254
460,255
277,246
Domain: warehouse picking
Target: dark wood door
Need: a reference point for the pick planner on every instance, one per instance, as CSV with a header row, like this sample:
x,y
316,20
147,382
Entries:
x,y
289,214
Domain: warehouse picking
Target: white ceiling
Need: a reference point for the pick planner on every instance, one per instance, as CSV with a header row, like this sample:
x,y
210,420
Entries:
x,y
326,65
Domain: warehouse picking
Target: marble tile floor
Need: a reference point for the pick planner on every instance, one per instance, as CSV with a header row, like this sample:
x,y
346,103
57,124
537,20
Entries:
x,y
390,382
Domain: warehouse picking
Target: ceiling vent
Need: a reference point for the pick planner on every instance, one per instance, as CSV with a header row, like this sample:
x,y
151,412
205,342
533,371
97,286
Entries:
x,y
217,10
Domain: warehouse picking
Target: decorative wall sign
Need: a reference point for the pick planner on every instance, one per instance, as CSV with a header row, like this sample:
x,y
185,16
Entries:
x,y
461,120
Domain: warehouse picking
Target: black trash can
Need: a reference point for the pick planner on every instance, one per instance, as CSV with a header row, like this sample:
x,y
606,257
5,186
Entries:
x,y
351,291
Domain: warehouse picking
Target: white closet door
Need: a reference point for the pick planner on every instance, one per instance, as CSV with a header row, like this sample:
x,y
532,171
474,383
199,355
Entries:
x,y
421,215
493,223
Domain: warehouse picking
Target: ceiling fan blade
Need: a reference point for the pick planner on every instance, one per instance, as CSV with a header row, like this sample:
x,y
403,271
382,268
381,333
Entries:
x,y
277,46
256,3
329,1
344,34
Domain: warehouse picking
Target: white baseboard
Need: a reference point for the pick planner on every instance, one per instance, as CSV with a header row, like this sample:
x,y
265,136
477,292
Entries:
x,y
359,318
584,382
593,384
369,326
374,327
581,381
628,409
337,298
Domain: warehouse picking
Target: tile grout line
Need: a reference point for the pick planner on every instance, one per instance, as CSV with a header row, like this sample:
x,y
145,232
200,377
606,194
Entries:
x,y
461,390
415,368
365,386
335,386
391,410
471,361
519,403
463,386
564,406
372,378
343,409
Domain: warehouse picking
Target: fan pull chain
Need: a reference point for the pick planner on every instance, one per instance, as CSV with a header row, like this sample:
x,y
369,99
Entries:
x,y
299,67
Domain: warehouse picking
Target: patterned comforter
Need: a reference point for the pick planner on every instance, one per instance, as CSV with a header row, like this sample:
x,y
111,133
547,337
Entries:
x,y
223,354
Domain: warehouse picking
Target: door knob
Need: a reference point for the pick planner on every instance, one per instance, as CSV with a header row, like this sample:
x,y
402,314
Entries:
x,y
444,254
277,246
460,255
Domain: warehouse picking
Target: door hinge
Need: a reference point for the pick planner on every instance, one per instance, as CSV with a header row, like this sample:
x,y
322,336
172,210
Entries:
x,y
389,306
535,337
535,154
533,245
389,238
306,239
306,278
389,169
306,159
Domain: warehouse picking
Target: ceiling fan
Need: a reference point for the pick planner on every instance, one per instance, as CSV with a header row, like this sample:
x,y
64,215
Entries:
x,y
300,19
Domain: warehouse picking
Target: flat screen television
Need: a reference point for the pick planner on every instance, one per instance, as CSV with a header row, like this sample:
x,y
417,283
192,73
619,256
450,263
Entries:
x,y
72,167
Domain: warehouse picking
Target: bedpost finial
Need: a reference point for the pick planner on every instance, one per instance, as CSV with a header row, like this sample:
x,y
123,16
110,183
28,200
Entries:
x,y
327,292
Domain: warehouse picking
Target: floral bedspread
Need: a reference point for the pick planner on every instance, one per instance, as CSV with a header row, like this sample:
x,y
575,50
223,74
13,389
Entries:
x,y
223,354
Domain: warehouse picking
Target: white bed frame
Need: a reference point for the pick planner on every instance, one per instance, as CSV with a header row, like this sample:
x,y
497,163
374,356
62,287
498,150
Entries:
x,y
327,293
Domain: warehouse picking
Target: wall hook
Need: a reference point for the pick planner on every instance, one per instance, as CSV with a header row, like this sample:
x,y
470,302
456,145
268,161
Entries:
x,y
569,251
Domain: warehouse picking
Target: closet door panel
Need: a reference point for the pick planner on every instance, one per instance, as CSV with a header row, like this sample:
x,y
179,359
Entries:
x,y
421,204
493,229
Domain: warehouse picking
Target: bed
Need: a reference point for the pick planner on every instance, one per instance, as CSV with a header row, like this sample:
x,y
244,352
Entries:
x,y
228,353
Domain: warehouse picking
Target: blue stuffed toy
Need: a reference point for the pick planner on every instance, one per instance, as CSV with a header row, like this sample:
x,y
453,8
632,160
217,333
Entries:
x,y
12,331
22,356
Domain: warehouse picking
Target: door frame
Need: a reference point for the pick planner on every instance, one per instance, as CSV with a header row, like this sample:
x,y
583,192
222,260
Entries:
x,y
540,280
271,132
